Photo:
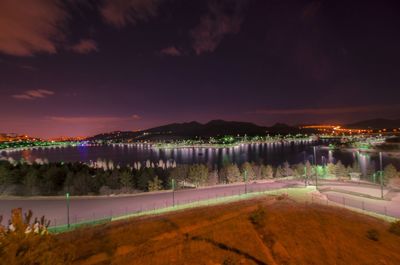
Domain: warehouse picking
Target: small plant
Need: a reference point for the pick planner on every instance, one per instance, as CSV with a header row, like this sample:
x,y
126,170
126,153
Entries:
x,y
395,228
228,261
258,216
373,234
282,197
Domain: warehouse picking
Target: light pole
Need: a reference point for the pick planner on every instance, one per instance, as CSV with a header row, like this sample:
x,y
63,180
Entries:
x,y
67,199
381,173
305,169
173,192
316,168
245,181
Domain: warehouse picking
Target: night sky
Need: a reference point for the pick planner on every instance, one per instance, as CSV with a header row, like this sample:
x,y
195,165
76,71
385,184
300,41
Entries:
x,y
83,67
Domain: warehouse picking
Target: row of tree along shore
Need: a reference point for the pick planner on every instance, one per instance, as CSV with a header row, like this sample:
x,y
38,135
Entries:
x,y
103,178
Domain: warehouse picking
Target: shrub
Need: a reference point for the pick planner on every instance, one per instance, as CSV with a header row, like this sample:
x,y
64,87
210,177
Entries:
x,y
25,242
258,216
228,261
373,234
395,228
282,197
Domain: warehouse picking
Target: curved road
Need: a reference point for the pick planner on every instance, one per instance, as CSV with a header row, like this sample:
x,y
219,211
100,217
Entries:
x,y
90,208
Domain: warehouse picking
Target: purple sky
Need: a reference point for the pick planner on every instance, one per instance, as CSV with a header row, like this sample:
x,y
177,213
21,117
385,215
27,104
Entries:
x,y
83,67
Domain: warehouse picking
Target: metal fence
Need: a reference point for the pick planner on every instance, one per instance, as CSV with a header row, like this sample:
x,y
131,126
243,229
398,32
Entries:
x,y
376,207
174,202
203,199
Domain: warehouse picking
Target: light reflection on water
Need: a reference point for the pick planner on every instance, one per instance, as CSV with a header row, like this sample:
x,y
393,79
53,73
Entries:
x,y
267,153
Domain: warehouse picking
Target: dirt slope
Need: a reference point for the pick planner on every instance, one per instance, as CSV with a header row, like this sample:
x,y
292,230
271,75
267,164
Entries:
x,y
262,231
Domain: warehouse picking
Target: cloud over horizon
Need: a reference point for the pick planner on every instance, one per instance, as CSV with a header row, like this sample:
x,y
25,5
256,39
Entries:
x,y
34,94
324,111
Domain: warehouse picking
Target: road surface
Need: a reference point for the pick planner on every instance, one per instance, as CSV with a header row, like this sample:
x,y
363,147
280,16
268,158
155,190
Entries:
x,y
92,208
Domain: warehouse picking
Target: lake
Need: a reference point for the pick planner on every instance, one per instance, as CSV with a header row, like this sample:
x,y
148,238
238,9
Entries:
x,y
267,153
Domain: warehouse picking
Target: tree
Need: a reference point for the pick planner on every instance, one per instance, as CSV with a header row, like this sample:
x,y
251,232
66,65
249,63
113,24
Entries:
x,y
30,181
331,169
81,183
340,170
278,172
126,179
213,178
180,173
267,172
144,176
230,173
248,169
389,172
69,181
50,179
286,170
4,172
155,184
355,167
298,170
198,174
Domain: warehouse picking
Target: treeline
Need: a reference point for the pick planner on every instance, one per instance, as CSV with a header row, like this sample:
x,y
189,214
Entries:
x,y
18,178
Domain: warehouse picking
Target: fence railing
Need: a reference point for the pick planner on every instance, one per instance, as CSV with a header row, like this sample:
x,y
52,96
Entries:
x,y
106,215
361,204
204,199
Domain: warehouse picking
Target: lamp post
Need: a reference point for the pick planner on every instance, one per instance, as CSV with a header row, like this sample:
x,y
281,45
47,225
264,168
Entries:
x,y
305,169
173,192
316,167
67,199
381,173
245,181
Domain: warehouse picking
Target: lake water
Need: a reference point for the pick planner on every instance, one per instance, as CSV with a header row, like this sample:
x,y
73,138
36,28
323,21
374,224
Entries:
x,y
273,154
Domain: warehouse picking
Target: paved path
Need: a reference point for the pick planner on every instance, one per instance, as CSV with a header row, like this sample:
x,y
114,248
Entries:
x,y
361,196
90,208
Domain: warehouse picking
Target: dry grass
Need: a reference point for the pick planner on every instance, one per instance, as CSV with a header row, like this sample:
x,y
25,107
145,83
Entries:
x,y
284,232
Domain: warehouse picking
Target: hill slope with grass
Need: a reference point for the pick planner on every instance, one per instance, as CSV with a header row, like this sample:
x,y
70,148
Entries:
x,y
257,231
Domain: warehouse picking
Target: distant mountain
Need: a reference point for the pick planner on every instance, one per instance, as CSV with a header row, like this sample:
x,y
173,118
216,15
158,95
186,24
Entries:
x,y
196,129
375,124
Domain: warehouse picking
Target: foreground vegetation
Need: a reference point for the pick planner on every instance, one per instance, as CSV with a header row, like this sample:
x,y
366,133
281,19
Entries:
x,y
277,230
103,177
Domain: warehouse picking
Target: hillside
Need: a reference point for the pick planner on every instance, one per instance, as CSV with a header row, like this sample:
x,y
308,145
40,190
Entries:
x,y
195,129
375,124
258,231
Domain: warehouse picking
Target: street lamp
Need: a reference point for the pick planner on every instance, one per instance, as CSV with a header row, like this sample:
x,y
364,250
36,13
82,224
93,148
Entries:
x,y
67,199
245,181
381,173
316,167
173,192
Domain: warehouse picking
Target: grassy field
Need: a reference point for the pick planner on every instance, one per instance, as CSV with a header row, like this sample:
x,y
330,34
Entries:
x,y
262,230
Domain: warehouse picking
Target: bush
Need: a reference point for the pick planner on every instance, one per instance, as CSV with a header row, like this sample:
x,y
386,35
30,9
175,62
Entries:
x,y
395,228
26,242
373,235
258,216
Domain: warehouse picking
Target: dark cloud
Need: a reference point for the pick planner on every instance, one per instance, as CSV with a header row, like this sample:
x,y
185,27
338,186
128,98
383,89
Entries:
x,y
223,18
121,12
31,27
170,51
85,46
324,111
311,10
